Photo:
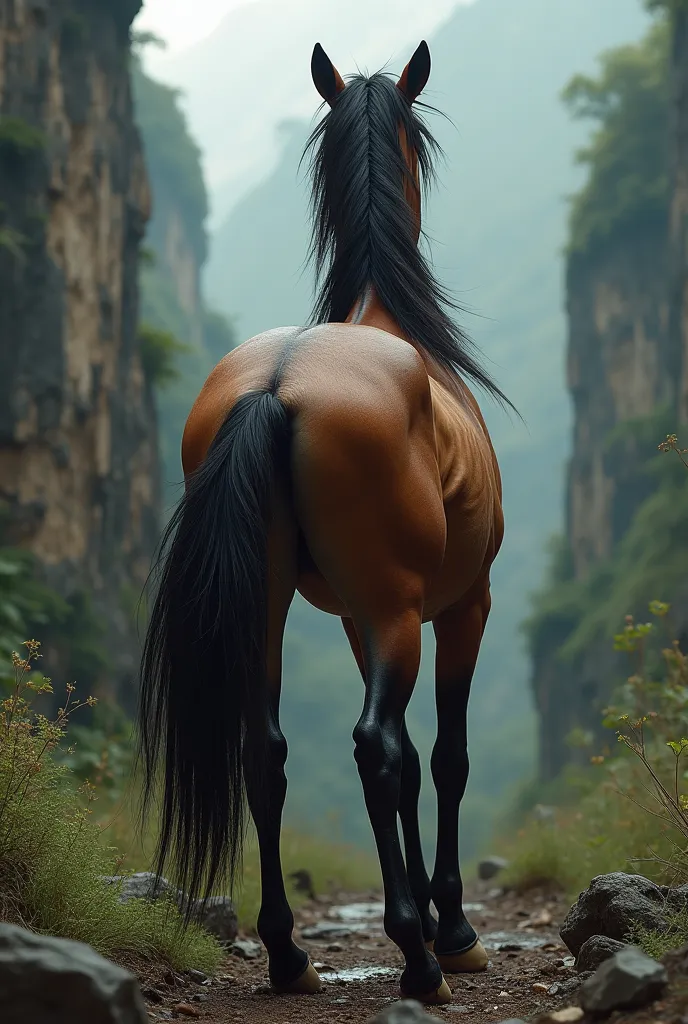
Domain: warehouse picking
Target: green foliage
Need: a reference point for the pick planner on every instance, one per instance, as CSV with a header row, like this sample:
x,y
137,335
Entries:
x,y
158,351
52,858
568,615
26,605
627,157
102,752
147,256
634,807
673,6
19,139
13,242
658,944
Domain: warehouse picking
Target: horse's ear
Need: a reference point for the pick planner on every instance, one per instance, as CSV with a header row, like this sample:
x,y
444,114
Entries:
x,y
415,75
326,78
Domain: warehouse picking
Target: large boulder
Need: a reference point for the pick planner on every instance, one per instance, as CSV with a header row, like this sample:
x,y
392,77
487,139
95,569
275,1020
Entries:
x,y
44,980
614,903
628,980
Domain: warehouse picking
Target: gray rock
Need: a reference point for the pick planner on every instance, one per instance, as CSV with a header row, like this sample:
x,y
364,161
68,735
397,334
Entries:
x,y
45,980
143,885
628,980
490,867
247,949
595,951
407,1011
613,903
218,916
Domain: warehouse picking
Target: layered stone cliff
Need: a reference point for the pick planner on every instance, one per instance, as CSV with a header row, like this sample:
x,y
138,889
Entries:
x,y
78,448
627,373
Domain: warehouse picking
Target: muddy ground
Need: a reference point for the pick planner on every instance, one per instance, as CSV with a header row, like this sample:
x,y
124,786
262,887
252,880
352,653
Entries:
x,y
530,970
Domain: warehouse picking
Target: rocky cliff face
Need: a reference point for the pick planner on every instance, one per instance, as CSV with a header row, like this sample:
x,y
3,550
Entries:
x,y
627,373
618,371
78,448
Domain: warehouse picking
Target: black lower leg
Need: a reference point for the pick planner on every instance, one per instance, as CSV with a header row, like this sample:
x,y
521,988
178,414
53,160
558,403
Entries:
x,y
449,765
275,920
377,738
408,813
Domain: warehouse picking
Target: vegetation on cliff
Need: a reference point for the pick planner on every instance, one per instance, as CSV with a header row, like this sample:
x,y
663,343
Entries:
x,y
627,156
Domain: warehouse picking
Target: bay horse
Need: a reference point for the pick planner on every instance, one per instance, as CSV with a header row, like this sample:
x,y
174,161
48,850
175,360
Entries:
x,y
347,460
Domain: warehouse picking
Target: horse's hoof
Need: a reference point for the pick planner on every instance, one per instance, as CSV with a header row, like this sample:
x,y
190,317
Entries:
x,y
439,997
473,960
306,984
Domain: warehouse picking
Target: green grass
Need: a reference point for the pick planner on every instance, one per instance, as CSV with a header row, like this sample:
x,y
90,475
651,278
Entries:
x,y
606,831
52,854
333,866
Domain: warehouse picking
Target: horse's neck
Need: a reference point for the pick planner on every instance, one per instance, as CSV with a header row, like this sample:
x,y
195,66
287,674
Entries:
x,y
369,312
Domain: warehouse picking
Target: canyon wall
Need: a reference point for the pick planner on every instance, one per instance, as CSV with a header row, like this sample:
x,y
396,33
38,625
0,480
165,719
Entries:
x,y
79,475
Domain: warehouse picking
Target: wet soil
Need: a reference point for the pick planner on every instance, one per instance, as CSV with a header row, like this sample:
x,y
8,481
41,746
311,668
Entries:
x,y
530,970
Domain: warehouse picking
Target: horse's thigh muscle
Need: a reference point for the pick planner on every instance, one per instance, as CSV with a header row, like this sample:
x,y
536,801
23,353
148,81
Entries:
x,y
368,499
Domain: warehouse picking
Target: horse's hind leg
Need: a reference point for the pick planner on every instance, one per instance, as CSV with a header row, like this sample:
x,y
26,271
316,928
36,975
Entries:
x,y
289,966
409,793
458,634
392,655
408,814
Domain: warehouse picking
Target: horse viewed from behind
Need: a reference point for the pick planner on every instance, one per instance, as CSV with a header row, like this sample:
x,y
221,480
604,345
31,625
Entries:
x,y
347,460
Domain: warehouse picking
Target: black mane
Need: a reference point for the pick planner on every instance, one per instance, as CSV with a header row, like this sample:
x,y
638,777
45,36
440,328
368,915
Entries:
x,y
363,227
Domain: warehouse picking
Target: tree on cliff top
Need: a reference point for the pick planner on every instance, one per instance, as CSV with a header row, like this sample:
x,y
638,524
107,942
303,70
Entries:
x,y
627,157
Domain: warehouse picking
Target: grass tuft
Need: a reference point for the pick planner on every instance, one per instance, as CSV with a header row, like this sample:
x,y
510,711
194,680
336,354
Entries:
x,y
52,857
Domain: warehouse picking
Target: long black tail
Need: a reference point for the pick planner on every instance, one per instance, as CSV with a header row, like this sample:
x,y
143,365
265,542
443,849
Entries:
x,y
204,702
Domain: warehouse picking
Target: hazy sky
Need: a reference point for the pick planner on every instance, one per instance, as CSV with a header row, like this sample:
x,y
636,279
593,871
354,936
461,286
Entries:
x,y
182,23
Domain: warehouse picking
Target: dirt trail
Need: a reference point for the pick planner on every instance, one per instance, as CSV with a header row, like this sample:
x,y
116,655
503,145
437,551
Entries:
x,y
528,973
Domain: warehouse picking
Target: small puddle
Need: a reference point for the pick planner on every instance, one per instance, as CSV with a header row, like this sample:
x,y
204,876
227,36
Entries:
x,y
358,973
358,912
359,918
513,940
334,929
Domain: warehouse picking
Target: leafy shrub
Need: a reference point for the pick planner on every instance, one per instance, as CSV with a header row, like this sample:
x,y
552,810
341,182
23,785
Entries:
x,y
158,351
24,603
19,139
52,858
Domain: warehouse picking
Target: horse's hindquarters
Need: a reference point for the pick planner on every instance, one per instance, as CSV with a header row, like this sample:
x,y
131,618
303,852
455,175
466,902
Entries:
x,y
368,503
